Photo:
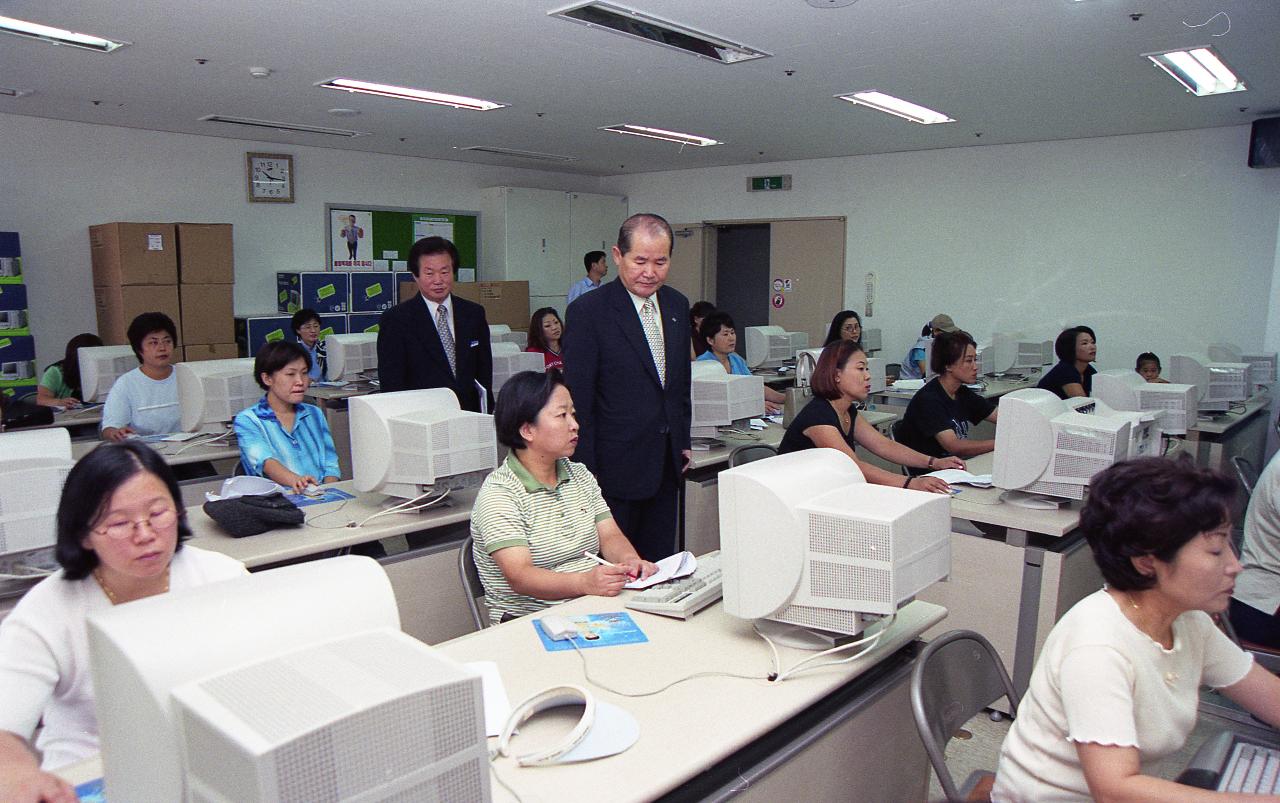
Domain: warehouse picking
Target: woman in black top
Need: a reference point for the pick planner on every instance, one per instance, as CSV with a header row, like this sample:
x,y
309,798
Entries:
x,y
937,419
845,326
697,313
1073,375
829,421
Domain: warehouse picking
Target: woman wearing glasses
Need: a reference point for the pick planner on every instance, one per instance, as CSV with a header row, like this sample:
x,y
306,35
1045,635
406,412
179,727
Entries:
x,y
120,531
145,400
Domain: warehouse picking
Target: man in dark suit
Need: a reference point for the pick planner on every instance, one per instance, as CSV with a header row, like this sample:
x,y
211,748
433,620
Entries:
x,y
436,340
626,356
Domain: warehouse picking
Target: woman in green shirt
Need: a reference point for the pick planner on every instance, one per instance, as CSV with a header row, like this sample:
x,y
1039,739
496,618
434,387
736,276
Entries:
x,y
60,385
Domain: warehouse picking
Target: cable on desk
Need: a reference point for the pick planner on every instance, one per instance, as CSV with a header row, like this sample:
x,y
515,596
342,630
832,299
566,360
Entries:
x,y
407,506
338,509
587,674
202,442
493,768
798,667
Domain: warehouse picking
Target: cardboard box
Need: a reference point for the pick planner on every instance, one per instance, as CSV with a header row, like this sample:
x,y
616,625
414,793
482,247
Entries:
x,y
133,253
14,318
363,322
326,292
206,313
210,351
205,254
117,306
503,302
372,292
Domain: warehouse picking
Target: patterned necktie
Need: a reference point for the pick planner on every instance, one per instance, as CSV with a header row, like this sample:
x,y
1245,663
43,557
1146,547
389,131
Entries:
x,y
653,333
446,337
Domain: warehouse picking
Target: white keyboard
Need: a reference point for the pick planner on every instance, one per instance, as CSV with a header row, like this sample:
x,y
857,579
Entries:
x,y
686,596
1253,769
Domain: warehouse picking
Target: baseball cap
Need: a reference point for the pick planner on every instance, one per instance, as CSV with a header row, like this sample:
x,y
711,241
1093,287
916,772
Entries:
x,y
943,322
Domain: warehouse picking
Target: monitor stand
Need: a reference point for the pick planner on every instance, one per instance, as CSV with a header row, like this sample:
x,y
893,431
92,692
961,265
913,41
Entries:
x,y
800,637
1031,501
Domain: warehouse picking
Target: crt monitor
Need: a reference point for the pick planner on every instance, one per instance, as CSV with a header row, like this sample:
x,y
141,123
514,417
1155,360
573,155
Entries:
x,y
349,356
1053,447
1225,352
768,346
805,542
33,468
501,333
799,340
1218,383
720,398
1262,367
101,366
289,684
509,360
1030,354
872,340
412,442
1122,389
1000,354
211,392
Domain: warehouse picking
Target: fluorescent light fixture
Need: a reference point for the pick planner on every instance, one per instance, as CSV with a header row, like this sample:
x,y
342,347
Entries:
x,y
659,133
278,126
516,153
657,31
58,36
10,92
898,107
409,93
1199,69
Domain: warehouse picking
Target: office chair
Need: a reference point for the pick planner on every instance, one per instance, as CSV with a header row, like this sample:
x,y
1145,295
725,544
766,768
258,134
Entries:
x,y
471,585
955,677
1246,473
750,453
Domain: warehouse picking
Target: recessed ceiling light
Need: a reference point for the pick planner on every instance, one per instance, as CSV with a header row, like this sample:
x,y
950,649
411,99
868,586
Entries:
x,y
278,126
660,133
898,107
58,36
409,93
515,152
639,25
1199,69
10,92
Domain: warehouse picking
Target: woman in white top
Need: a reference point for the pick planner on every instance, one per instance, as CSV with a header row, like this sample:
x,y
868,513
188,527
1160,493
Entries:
x,y
145,400
120,530
1117,683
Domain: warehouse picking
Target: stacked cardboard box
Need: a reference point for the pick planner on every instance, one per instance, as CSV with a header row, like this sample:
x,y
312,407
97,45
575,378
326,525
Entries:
x,y
206,270
135,270
503,302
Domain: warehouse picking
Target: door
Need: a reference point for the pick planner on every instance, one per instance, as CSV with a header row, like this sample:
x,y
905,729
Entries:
x,y
742,275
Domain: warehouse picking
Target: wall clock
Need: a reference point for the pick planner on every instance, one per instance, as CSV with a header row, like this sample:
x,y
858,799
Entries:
x,y
270,177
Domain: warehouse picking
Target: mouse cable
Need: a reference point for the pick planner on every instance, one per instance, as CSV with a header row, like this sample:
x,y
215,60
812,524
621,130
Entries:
x,y
493,768
798,667
587,674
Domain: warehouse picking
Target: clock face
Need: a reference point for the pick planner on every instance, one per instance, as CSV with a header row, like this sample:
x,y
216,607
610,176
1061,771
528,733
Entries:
x,y
270,177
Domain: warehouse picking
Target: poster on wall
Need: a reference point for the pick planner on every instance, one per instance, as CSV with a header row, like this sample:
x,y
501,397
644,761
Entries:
x,y
350,239
432,226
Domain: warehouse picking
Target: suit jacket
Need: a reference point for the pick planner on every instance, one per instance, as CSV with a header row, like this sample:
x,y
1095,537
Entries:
x,y
628,422
411,356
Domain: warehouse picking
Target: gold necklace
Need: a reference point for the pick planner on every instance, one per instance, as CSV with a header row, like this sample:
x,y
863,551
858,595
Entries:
x,y
111,594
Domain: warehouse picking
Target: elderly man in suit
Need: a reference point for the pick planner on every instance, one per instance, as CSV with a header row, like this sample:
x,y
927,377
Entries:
x,y
436,340
627,366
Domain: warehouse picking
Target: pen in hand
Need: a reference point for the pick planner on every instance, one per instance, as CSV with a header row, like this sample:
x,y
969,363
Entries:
x,y
586,553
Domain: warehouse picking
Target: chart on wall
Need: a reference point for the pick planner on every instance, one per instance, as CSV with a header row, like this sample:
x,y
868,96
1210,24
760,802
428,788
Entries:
x,y
368,238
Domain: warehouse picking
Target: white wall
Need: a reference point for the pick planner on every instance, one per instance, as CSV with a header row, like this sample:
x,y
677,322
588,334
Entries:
x,y
1161,242
57,178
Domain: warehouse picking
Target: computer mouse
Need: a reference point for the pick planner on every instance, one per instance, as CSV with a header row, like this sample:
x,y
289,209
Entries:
x,y
557,628
312,490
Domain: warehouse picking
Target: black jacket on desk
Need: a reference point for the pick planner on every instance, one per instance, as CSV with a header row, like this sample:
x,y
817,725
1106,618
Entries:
x,y
411,356
627,419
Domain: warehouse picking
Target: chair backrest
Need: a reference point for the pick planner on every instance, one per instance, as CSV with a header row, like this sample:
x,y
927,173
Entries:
x,y
750,453
1246,473
957,675
471,585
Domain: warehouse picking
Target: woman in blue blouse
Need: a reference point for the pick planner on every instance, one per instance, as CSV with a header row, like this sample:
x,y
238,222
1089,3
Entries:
x,y
718,332
280,437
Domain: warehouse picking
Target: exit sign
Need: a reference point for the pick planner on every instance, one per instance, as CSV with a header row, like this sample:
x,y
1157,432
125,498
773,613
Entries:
x,y
766,183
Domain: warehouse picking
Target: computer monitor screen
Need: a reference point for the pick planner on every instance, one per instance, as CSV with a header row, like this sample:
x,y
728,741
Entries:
x,y
1030,355
720,398
413,442
349,356
929,373
1122,389
211,392
33,467
872,340
1050,446
509,360
1001,354
799,340
767,346
1225,352
289,684
1219,384
501,333
806,542
101,366
878,367
1262,367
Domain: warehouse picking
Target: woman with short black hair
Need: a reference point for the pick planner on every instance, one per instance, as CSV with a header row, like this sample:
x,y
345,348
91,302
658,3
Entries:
x,y
60,384
938,418
145,400
281,437
721,337
306,327
1073,375
121,525
539,515
697,312
1117,683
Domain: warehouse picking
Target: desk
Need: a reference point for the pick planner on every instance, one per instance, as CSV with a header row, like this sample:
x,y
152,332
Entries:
x,y
1237,434
995,388
424,577
333,401
75,420
819,736
175,453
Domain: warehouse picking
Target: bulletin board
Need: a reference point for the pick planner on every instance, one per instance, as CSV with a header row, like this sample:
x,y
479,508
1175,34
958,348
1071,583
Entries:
x,y
381,236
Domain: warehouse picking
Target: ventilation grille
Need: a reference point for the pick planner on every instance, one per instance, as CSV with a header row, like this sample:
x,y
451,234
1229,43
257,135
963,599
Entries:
x,y
1059,489
278,126
1103,443
849,538
1078,466
821,618
638,25
518,154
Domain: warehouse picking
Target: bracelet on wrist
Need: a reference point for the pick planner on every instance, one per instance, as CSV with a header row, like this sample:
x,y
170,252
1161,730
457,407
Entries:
x,y
930,463
908,482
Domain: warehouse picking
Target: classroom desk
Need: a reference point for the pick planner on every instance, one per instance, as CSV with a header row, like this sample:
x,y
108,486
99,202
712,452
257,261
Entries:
x,y
1235,434
333,401
175,453
423,573
995,388
838,733
78,419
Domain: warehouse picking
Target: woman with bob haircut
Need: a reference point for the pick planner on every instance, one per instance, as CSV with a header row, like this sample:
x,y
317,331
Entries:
x,y
1073,375
846,325
721,337
830,421
539,512
145,400
282,438
1117,683
545,330
120,526
306,327
938,417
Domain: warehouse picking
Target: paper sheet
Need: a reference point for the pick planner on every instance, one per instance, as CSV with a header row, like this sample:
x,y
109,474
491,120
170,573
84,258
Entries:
x,y
497,706
908,384
681,564
958,476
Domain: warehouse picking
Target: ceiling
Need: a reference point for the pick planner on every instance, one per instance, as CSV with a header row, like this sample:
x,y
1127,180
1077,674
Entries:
x,y
1006,70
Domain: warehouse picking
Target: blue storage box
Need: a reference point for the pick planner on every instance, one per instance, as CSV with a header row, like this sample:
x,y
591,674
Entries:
x,y
323,291
363,322
14,318
17,359
372,292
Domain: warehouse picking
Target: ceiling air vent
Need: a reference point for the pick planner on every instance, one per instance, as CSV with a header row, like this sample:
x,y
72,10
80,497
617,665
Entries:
x,y
640,25
277,126
519,154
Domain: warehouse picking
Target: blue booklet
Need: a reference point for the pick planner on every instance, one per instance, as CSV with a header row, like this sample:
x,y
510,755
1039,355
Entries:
x,y
91,792
329,495
598,630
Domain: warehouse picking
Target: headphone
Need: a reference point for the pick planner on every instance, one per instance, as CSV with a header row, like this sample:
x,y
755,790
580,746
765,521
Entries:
x,y
554,697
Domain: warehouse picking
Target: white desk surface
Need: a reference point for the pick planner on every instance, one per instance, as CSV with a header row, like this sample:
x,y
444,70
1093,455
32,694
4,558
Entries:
x,y
324,393
772,435
683,730
1225,423
983,505
329,531
175,453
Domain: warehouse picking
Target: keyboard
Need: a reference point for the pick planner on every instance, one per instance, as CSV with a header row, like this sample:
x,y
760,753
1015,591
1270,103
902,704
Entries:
x,y
685,596
1228,763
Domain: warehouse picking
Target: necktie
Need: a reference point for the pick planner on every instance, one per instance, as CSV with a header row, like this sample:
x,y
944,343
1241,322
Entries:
x,y
653,333
446,337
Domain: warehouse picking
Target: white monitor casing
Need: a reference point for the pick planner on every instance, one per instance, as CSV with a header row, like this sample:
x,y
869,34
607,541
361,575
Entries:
x,y
211,392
